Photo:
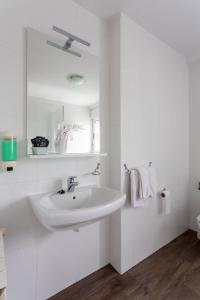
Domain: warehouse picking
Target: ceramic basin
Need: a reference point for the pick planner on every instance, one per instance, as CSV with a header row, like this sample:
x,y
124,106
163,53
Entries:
x,y
73,210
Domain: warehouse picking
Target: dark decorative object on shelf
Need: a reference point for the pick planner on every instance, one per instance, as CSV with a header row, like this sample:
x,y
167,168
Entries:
x,y
40,141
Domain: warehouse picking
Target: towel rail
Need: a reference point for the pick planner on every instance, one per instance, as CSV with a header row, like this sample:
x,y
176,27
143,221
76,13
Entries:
x,y
129,170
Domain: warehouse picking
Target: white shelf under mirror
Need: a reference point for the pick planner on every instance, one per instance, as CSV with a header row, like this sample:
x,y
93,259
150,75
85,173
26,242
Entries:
x,y
67,155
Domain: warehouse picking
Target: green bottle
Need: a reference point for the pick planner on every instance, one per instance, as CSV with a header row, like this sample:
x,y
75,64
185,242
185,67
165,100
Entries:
x,y
9,148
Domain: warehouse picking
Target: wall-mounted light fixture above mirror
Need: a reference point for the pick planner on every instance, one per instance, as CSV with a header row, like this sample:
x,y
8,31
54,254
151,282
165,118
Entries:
x,y
62,98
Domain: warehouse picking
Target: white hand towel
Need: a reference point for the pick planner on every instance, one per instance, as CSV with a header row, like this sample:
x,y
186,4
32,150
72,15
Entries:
x,y
144,188
136,201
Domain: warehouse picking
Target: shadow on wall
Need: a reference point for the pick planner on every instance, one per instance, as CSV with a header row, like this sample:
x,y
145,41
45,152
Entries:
x,y
21,224
126,188
104,241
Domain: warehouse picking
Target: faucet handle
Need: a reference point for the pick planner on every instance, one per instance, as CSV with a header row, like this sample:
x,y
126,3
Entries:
x,y
97,170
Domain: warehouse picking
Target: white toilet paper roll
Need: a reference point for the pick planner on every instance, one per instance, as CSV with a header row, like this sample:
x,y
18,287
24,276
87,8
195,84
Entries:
x,y
166,201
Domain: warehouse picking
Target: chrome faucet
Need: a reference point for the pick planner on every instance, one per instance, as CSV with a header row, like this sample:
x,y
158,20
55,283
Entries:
x,y
71,184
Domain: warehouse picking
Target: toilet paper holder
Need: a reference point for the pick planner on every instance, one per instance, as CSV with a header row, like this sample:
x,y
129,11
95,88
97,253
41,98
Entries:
x,y
162,193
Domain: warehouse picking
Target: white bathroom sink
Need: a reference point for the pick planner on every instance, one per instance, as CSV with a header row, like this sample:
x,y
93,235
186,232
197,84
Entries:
x,y
73,210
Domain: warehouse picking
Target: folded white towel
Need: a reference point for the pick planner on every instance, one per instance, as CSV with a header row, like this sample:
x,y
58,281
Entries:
x,y
144,188
136,201
143,185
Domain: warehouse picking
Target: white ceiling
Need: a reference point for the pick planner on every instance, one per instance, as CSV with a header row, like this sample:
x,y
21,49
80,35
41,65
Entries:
x,y
177,22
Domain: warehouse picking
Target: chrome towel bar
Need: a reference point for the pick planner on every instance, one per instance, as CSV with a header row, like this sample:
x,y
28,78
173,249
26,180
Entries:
x,y
128,170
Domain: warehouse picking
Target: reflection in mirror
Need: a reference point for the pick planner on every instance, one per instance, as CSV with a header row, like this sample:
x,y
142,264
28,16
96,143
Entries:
x,y
62,98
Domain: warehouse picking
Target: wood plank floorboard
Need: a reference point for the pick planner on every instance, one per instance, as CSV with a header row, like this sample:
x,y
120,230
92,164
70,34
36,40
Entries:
x,y
171,273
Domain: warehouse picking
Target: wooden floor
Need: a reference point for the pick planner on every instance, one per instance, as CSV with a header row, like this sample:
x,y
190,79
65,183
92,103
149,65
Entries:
x,y
171,273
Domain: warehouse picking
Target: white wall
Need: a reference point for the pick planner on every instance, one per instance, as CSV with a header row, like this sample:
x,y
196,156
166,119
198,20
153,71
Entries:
x,y
39,263
194,144
154,127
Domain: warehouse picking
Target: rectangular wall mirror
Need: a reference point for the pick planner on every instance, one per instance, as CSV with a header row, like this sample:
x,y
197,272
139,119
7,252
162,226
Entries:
x,y
62,98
